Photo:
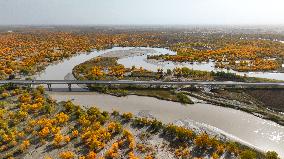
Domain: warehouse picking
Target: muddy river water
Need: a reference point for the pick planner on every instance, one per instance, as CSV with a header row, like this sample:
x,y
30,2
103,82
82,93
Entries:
x,y
246,128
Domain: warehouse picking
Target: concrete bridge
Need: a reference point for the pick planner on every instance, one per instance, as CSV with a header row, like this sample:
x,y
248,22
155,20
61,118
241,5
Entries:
x,y
130,82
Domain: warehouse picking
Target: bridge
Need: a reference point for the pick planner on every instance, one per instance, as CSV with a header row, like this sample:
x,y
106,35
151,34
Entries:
x,y
130,82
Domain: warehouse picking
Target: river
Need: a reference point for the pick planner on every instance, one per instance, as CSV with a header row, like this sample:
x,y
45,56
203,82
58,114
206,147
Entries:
x,y
153,65
244,127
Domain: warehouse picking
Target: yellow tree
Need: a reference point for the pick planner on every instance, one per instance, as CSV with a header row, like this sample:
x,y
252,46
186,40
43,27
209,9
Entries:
x,y
96,71
117,71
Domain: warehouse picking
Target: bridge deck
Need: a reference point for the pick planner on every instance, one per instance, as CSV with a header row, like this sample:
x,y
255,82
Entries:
x,y
227,83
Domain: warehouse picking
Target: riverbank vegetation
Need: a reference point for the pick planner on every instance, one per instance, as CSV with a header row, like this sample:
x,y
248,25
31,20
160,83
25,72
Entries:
x,y
28,50
159,93
239,55
107,68
33,125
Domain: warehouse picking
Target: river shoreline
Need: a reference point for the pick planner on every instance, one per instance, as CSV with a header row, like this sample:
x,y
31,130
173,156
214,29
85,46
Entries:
x,y
257,132
167,112
255,110
274,76
144,112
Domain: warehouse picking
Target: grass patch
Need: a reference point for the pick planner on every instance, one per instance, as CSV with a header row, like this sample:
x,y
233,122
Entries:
x,y
159,93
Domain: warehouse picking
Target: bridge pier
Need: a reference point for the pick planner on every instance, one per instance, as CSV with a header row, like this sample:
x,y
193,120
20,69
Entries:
x,y
69,87
207,88
49,87
193,87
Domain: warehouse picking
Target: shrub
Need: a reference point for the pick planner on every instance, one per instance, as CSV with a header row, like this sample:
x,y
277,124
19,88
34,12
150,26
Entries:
x,y
180,133
113,151
271,155
91,155
75,133
25,145
67,139
182,153
114,127
58,138
247,154
115,113
215,156
5,95
127,116
69,106
232,147
156,125
44,132
67,155
202,140
62,118
183,98
41,89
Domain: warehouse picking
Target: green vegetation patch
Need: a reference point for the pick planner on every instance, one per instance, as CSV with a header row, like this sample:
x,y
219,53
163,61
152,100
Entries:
x,y
159,93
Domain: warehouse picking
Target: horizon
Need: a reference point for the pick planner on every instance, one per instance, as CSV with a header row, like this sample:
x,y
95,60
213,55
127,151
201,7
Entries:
x,y
135,12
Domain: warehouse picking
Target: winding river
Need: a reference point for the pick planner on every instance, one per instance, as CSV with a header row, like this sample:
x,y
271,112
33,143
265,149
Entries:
x,y
246,128
153,65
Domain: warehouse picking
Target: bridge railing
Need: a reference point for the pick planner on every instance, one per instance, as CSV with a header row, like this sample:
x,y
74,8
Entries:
x,y
37,82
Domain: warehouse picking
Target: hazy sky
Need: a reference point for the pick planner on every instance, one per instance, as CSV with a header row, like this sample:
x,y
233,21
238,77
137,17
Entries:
x,y
141,12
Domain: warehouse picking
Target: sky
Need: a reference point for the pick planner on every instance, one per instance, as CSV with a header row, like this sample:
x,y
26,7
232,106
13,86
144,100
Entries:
x,y
141,12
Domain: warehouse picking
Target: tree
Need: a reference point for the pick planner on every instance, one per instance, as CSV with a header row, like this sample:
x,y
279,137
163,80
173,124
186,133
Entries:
x,y
67,155
232,147
215,156
133,68
127,116
271,155
25,145
67,139
202,140
75,133
44,132
96,71
5,95
248,154
169,72
62,118
91,155
58,138
117,71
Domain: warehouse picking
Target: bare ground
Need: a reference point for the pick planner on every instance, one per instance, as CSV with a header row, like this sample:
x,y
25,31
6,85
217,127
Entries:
x,y
272,98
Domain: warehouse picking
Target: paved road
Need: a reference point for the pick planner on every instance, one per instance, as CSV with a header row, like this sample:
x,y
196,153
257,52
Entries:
x,y
217,83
